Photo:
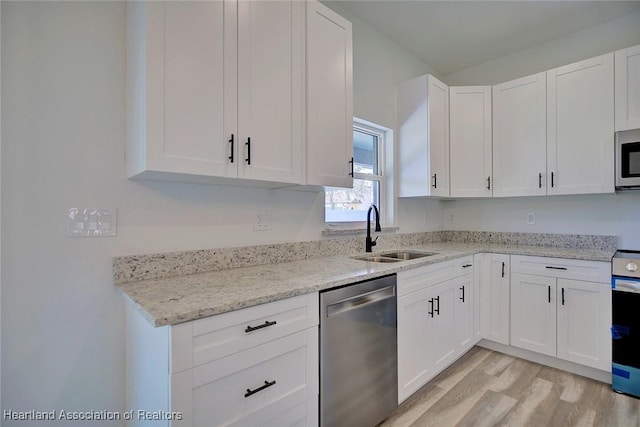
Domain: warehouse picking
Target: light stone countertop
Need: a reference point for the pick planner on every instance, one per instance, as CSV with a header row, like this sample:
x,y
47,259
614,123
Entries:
x,y
174,300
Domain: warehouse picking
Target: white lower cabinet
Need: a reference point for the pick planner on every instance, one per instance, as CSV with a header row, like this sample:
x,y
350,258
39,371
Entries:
x,y
256,366
558,313
493,273
435,320
533,313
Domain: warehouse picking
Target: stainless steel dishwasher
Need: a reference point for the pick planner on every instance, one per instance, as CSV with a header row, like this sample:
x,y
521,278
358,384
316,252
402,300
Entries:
x,y
358,353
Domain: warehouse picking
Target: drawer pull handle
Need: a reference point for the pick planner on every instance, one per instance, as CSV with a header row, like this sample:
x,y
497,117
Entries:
x,y
467,265
556,268
264,325
267,384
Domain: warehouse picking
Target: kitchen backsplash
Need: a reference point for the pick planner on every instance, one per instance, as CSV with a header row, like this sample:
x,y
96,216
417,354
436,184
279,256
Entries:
x,y
153,266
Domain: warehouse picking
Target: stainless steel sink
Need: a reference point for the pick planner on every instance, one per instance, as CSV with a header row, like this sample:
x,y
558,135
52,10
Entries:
x,y
376,259
395,256
407,255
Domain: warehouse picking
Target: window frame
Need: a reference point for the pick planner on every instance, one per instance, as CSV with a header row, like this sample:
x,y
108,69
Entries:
x,y
384,136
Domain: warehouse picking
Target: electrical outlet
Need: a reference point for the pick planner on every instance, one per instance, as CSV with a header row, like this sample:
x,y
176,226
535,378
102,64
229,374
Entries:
x,y
450,216
91,222
262,221
531,218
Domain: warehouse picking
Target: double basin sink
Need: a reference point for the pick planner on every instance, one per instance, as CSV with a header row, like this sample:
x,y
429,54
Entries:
x,y
395,256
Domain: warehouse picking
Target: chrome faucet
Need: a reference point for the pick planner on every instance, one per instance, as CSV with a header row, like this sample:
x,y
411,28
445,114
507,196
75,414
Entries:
x,y
368,242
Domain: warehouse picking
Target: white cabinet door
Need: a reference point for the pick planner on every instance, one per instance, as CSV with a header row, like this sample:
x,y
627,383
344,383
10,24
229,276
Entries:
x,y
627,88
494,297
181,73
463,313
329,83
423,142
584,318
271,90
440,325
470,141
520,137
580,127
533,313
414,368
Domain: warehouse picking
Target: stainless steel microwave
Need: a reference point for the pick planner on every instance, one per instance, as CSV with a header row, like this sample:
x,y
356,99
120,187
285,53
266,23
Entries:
x,y
628,159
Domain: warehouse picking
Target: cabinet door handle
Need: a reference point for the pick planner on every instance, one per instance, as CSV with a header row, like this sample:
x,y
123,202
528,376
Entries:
x,y
248,144
502,268
430,313
540,180
555,268
437,310
267,384
488,183
562,296
551,179
549,293
351,173
266,324
232,144
467,265
435,180
462,297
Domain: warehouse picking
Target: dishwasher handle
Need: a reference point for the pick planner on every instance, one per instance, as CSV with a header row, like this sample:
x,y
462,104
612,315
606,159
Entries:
x,y
361,300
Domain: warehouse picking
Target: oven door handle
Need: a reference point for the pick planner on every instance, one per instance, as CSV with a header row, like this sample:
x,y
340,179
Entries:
x,y
626,285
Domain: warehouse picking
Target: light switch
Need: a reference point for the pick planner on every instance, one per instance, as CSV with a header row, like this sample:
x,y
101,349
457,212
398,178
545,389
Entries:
x,y
91,222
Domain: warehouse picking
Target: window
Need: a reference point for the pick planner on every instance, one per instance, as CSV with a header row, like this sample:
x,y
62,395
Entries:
x,y
350,205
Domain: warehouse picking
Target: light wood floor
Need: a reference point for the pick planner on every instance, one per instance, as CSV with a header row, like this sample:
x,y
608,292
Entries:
x,y
487,388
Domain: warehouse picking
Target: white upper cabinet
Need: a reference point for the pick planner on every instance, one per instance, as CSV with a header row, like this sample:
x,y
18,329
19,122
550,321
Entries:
x,y
470,141
423,147
181,82
329,98
627,66
520,137
216,89
270,89
580,127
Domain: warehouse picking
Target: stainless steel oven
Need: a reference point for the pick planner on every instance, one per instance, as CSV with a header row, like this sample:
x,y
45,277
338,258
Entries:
x,y
628,159
625,327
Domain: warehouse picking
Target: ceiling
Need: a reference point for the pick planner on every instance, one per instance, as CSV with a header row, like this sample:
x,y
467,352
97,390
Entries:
x,y
451,36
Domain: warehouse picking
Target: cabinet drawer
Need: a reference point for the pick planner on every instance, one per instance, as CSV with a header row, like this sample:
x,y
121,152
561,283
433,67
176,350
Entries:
x,y
591,271
423,277
201,341
253,387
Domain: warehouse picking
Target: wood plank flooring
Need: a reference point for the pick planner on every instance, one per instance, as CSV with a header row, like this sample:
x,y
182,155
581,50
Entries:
x,y
486,388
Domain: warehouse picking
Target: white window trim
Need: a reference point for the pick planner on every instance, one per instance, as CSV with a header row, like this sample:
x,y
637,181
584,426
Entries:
x,y
385,178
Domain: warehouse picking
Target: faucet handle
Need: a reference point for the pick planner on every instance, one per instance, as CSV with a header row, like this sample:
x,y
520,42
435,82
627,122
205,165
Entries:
x,y
374,241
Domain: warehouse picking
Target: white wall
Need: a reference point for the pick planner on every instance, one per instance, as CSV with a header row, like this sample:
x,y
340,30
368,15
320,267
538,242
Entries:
x,y
379,65
0,205
607,214
63,116
607,37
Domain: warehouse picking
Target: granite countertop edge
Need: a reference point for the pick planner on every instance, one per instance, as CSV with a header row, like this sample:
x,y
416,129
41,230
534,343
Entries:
x,y
174,300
